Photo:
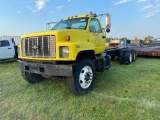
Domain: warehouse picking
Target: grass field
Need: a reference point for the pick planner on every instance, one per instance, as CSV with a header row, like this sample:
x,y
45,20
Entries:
x,y
124,92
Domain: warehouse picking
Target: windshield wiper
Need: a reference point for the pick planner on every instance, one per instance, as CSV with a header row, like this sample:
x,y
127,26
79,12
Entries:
x,y
70,28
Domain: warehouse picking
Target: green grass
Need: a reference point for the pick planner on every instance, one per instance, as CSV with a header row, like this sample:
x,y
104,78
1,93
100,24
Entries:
x,y
124,92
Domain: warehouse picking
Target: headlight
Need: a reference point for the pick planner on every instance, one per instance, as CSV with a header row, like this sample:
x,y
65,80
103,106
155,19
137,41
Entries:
x,y
64,52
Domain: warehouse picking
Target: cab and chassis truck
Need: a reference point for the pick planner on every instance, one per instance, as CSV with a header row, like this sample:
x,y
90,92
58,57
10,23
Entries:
x,y
74,49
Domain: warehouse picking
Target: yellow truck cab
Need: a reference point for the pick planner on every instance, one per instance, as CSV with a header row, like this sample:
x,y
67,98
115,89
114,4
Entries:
x,y
73,49
66,40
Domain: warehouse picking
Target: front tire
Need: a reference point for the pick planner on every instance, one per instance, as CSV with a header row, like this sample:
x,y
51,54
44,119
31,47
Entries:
x,y
83,77
32,77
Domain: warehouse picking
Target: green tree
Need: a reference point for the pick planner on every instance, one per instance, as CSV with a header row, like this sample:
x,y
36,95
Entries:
x,y
124,38
108,40
149,37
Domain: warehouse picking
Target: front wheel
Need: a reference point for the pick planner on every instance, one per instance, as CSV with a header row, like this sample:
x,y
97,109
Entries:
x,y
83,77
32,77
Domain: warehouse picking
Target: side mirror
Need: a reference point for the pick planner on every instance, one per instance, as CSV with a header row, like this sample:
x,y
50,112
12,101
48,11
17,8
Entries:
x,y
108,30
108,22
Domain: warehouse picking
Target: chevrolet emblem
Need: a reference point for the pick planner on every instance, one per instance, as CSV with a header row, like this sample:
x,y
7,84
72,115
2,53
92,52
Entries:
x,y
35,47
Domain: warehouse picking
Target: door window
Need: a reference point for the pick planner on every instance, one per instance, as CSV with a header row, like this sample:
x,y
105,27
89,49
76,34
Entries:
x,y
4,43
95,26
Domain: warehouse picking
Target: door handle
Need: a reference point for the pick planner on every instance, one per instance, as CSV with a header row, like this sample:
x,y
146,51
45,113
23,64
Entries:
x,y
103,37
9,48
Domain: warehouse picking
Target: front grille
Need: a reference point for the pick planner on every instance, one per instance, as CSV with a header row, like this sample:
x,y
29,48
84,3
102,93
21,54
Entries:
x,y
39,47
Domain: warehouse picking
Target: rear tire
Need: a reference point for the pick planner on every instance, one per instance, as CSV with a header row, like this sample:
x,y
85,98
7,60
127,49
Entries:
x,y
83,77
128,56
133,55
32,77
121,56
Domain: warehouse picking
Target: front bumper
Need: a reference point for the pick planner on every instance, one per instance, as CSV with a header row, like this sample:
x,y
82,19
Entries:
x,y
45,69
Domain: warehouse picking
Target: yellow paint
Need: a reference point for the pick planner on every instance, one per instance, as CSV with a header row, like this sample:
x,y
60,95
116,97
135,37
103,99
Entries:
x,y
80,40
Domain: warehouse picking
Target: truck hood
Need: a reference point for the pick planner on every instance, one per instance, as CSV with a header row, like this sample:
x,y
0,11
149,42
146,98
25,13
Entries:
x,y
75,35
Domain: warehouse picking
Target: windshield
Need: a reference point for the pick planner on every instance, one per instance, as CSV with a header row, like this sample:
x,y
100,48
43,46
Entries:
x,y
76,23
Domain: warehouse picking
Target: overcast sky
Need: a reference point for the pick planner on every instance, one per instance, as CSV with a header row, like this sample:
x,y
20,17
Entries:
x,y
130,18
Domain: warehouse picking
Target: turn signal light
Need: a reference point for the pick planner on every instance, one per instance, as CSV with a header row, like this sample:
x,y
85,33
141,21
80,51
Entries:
x,y
67,38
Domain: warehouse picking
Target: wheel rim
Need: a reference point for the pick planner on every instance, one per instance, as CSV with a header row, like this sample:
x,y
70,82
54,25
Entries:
x,y
85,77
130,57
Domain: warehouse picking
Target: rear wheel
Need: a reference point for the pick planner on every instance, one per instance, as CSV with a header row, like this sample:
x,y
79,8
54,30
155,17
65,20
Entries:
x,y
133,55
83,77
121,56
32,77
128,56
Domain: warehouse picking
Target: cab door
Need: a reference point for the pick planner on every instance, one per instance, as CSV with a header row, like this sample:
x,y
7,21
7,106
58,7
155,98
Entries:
x,y
6,50
96,35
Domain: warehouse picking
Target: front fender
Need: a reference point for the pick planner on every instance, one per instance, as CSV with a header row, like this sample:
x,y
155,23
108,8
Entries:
x,y
75,48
